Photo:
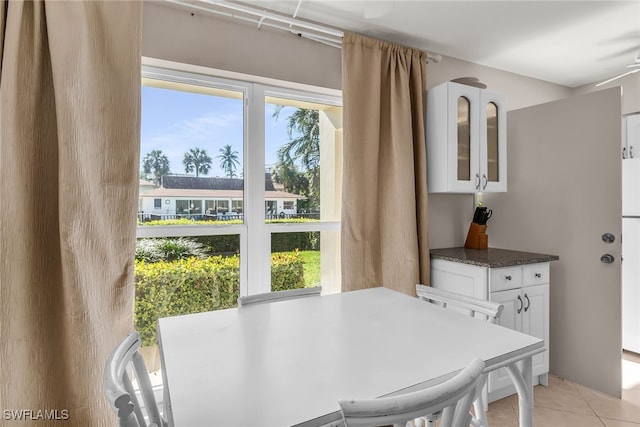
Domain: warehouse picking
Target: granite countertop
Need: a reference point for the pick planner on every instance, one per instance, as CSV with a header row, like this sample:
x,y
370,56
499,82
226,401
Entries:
x,y
491,257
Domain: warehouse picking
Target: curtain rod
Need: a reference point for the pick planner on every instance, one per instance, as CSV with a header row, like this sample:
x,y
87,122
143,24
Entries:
x,y
319,33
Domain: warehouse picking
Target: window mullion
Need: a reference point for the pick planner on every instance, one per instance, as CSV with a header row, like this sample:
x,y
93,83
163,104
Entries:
x,y
258,275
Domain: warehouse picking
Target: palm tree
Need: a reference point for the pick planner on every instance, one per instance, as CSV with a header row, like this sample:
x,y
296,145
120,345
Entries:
x,y
198,160
294,181
303,128
228,160
157,163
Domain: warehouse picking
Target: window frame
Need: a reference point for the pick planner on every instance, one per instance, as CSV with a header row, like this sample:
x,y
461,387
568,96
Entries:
x,y
254,234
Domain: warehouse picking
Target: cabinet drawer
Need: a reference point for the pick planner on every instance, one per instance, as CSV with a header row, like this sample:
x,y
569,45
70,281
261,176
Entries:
x,y
506,278
535,274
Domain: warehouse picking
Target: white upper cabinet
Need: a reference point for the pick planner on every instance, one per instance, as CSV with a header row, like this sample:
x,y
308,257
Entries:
x,y
466,140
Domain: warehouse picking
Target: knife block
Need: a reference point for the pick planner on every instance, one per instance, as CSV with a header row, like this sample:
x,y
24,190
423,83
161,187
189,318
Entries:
x,y
476,237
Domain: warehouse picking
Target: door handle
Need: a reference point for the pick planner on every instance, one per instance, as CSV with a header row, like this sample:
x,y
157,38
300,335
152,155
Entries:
x,y
607,258
528,303
608,238
521,304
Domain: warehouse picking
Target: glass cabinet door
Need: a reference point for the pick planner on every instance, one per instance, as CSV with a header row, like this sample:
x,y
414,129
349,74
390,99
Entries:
x,y
464,139
493,145
493,159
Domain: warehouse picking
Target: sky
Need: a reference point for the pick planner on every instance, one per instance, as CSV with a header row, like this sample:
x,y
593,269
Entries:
x,y
175,121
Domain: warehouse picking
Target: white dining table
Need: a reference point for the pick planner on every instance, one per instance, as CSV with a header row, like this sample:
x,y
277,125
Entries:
x,y
287,363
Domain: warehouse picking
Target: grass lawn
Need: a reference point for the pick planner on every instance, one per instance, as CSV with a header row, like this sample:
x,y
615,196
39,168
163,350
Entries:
x,y
311,268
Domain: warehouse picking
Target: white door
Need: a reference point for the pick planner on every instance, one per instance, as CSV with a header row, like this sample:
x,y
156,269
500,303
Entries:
x,y
631,137
564,173
631,186
631,284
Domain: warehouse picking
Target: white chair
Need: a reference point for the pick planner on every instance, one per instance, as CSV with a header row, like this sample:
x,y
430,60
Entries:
x,y
488,310
119,390
451,398
474,307
279,296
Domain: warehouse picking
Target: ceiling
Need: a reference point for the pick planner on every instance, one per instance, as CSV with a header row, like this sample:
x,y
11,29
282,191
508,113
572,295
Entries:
x,y
571,42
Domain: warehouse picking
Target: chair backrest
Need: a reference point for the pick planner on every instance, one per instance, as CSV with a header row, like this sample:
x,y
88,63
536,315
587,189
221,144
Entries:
x,y
453,397
489,310
118,386
279,296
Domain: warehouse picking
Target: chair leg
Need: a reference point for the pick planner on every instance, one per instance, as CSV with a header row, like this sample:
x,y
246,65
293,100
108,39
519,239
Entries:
x,y
480,406
431,419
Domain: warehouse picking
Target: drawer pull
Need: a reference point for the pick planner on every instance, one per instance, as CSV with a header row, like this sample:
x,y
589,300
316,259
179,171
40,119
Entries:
x,y
538,275
507,277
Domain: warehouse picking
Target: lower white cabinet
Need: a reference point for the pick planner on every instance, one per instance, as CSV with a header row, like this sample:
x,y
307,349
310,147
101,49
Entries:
x,y
524,292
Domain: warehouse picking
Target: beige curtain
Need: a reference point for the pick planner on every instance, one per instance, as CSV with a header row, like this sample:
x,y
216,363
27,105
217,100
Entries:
x,y
69,154
384,200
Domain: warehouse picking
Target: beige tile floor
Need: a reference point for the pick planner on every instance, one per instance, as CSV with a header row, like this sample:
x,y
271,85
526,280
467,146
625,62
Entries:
x,y
565,403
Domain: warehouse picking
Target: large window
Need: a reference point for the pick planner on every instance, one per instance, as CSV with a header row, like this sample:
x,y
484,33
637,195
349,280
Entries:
x,y
239,193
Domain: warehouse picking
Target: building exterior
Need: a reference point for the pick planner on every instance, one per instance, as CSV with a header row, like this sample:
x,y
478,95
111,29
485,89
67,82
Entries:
x,y
209,198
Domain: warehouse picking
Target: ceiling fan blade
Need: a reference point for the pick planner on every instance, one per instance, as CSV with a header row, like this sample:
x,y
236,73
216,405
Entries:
x,y
618,77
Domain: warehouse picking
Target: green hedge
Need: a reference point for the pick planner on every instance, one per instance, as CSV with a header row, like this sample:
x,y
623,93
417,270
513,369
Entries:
x,y
230,244
301,241
280,242
227,244
194,285
169,249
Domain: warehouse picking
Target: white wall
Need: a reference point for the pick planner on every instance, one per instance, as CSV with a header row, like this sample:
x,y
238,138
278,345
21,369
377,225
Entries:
x,y
198,38
630,91
520,91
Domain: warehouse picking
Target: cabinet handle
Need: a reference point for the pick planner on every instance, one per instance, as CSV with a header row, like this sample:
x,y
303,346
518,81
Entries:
x,y
624,152
631,151
528,303
477,181
486,181
538,275
507,277
521,304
